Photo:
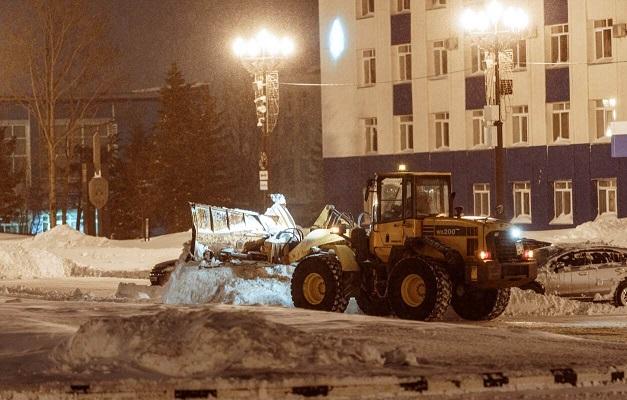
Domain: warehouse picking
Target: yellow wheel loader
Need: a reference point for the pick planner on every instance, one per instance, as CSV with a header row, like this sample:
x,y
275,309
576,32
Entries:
x,y
412,255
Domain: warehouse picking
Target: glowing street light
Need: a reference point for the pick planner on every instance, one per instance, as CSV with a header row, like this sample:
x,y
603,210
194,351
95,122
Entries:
x,y
262,55
496,28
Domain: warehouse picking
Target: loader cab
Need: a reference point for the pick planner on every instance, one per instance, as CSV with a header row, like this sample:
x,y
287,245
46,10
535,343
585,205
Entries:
x,y
403,196
400,201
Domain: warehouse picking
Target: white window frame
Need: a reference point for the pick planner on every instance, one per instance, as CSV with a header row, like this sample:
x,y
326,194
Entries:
x,y
519,55
406,132
478,58
559,44
611,196
520,125
481,199
434,4
441,130
371,134
522,195
7,129
401,6
479,131
440,58
602,31
403,62
562,200
560,129
604,113
365,8
368,67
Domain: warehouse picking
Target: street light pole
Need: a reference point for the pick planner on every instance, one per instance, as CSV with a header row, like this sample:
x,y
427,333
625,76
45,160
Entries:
x,y
493,28
262,57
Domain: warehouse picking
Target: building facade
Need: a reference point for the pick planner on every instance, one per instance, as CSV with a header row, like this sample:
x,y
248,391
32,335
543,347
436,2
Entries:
x,y
403,84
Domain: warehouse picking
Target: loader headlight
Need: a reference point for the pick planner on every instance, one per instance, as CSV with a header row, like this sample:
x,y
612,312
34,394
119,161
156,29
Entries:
x,y
338,229
515,232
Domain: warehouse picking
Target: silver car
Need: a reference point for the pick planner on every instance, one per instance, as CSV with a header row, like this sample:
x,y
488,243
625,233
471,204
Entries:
x,y
585,273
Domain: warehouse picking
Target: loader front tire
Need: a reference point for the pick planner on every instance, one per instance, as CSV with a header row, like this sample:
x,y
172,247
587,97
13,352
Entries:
x,y
419,290
317,284
371,304
480,304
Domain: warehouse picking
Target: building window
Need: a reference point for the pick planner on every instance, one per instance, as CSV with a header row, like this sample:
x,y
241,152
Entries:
x,y
440,58
522,202
478,128
563,202
401,6
369,126
368,67
431,4
606,192
406,130
19,158
481,194
604,113
602,39
560,121
441,130
520,124
559,43
404,62
519,54
365,8
477,59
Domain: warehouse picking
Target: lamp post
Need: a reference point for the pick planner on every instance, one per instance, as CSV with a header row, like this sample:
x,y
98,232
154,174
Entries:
x,y
496,29
262,56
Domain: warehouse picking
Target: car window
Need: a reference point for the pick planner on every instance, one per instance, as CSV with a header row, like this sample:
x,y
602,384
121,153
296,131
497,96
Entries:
x,y
598,257
574,259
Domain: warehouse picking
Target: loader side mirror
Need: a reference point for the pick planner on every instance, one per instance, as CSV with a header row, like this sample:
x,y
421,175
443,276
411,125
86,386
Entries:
x,y
369,187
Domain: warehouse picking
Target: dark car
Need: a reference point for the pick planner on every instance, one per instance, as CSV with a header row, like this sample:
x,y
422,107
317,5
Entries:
x,y
582,272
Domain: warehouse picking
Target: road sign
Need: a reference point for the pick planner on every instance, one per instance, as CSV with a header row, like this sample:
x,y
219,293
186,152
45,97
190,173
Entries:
x,y
263,185
98,191
263,175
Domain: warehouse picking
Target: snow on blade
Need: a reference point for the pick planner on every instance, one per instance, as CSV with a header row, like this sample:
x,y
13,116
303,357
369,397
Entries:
x,y
243,284
207,342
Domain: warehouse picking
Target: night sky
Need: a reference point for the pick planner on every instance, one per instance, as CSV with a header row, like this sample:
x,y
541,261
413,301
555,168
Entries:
x,y
197,34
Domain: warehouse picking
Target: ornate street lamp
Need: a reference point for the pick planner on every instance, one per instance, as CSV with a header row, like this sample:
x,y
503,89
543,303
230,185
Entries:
x,y
496,29
262,56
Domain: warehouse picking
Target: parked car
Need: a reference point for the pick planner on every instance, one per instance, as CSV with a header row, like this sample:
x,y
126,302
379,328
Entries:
x,y
582,272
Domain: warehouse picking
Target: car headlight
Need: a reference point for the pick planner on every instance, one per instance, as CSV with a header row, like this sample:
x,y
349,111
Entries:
x,y
515,232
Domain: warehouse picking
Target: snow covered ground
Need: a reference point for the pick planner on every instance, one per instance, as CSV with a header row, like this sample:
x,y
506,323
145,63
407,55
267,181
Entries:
x,y
233,326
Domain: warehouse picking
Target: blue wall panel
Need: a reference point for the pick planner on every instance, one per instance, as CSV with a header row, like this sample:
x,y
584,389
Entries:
x,y
402,99
555,12
475,92
401,28
557,85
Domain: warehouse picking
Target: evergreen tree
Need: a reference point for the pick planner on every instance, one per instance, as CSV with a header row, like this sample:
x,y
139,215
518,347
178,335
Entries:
x,y
188,153
10,201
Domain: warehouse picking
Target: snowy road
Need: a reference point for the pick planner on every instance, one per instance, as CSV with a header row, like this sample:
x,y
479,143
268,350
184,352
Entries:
x,y
350,351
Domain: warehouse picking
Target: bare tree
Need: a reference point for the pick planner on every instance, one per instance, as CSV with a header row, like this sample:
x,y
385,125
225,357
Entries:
x,y
63,63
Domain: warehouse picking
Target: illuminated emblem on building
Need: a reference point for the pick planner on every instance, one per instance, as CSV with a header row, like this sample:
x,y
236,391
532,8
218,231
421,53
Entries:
x,y
337,41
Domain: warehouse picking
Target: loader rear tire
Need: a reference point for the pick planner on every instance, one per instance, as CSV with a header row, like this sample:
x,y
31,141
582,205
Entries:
x,y
373,305
317,284
480,304
418,290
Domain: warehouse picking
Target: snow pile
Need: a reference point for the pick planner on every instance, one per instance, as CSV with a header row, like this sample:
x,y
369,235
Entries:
x,y
63,252
19,262
242,284
528,303
138,292
605,229
207,342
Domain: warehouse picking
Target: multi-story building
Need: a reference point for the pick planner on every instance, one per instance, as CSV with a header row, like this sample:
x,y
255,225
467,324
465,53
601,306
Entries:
x,y
403,83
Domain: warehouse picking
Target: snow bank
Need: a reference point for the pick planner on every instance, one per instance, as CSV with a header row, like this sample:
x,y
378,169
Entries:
x,y
605,229
207,342
243,284
63,252
528,303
